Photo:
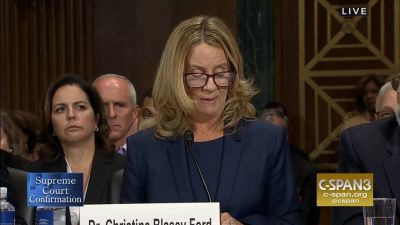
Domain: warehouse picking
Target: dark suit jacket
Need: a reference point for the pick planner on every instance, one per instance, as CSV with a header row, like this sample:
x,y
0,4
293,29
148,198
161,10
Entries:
x,y
103,166
13,161
305,175
256,185
374,148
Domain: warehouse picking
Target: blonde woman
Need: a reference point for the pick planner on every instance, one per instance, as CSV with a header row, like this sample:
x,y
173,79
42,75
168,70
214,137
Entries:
x,y
200,88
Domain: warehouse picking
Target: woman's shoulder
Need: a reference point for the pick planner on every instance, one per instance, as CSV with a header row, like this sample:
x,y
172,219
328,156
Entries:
x,y
146,137
145,134
259,132
260,127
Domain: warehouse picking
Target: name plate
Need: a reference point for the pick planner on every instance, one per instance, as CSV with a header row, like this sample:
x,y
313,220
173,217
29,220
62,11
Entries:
x,y
55,189
151,214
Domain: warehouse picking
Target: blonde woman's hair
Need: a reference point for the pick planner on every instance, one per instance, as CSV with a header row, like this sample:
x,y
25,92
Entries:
x,y
171,99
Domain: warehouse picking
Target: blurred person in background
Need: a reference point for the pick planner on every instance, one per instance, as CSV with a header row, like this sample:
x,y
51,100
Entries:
x,y
119,97
147,111
29,124
367,91
304,172
11,143
10,135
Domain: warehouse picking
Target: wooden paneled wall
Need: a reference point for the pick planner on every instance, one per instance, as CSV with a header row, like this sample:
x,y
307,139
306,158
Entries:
x,y
129,35
320,57
40,40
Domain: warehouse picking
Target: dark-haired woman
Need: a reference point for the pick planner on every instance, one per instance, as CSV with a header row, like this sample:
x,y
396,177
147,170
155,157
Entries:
x,y
367,91
75,133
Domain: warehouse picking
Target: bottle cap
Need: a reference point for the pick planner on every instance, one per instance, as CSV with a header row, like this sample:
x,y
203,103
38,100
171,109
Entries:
x,y
3,192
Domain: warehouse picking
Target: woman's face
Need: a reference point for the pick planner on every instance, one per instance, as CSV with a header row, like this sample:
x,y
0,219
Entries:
x,y
370,94
72,115
210,99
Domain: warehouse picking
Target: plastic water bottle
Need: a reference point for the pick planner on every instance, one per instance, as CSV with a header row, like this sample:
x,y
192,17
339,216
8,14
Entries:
x,y
7,211
50,216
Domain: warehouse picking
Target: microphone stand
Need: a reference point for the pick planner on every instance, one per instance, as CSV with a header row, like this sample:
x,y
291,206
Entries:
x,y
189,141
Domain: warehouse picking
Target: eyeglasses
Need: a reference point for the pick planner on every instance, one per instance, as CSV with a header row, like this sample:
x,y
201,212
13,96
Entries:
x,y
199,80
395,83
384,114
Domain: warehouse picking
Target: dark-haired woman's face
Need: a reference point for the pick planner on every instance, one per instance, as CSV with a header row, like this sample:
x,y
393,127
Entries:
x,y
370,94
72,115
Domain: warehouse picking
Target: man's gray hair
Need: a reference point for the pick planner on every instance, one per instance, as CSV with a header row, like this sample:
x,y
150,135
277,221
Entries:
x,y
132,92
385,88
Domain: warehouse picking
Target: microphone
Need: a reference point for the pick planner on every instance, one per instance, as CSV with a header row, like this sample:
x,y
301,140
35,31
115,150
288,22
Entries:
x,y
189,141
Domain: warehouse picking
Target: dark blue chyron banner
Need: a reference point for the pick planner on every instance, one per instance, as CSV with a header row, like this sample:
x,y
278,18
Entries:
x,y
55,189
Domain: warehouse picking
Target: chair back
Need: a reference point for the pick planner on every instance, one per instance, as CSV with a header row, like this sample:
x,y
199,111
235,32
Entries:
x,y
19,182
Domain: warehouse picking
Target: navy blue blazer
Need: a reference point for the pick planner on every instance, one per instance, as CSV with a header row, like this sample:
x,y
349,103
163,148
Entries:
x,y
256,184
372,148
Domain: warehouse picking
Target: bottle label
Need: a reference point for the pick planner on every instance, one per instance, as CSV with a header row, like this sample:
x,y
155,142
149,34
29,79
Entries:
x,y
7,217
44,217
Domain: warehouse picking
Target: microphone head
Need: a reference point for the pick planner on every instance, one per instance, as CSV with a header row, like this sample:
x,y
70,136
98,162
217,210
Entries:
x,y
188,136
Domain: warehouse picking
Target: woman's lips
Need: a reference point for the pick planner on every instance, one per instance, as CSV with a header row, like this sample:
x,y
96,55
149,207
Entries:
x,y
73,128
208,99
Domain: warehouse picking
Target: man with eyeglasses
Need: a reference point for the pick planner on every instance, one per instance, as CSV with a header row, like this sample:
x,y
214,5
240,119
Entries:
x,y
372,148
386,102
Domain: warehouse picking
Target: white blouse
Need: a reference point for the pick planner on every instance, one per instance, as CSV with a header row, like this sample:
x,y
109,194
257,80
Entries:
x,y
74,210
